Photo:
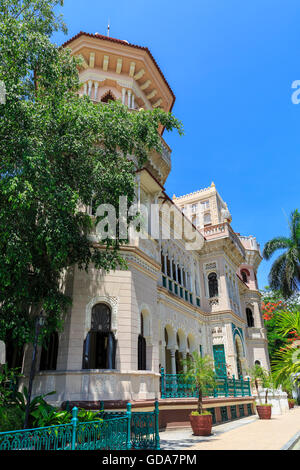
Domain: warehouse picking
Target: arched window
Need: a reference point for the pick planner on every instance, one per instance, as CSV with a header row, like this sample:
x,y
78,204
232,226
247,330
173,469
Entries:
x,y
168,266
162,262
213,285
13,353
257,363
99,349
108,97
245,275
179,275
142,347
239,354
174,270
250,319
49,353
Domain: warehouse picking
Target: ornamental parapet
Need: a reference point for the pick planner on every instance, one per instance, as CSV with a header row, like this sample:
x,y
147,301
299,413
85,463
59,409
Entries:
x,y
223,230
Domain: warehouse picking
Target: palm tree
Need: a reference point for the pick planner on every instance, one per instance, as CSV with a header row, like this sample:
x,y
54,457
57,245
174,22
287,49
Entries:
x,y
285,271
200,374
286,361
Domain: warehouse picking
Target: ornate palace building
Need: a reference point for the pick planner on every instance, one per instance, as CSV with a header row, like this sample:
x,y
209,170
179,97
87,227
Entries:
x,y
176,297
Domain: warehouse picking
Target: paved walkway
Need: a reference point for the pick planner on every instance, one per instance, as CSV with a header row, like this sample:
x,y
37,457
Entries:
x,y
248,433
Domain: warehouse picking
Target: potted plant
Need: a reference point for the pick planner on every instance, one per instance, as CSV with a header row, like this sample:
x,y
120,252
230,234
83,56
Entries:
x,y
288,387
200,374
259,376
291,402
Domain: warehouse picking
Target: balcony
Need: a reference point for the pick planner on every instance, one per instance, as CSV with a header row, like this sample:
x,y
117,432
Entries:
x,y
166,153
176,386
180,291
223,230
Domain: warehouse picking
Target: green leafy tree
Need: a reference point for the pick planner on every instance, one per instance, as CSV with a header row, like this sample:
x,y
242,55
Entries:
x,y
200,374
285,271
273,303
58,152
286,361
282,321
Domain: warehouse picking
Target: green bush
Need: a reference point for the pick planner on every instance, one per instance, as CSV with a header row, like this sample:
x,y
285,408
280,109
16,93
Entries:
x,y
196,413
11,418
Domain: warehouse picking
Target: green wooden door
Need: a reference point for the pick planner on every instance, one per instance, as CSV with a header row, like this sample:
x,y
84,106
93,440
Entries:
x,y
219,359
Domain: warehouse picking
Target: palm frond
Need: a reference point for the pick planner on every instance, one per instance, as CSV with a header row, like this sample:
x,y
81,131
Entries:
x,y
276,244
295,227
286,362
286,322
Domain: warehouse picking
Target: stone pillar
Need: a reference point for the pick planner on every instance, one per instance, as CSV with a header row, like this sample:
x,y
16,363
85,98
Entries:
x,y
96,84
184,358
173,361
132,101
90,83
85,88
129,99
123,95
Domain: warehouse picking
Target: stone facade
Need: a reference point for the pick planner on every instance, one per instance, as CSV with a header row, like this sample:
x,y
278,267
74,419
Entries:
x,y
176,297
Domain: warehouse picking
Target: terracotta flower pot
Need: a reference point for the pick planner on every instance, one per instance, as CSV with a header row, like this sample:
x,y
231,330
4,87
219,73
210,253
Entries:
x,y
264,411
201,424
291,404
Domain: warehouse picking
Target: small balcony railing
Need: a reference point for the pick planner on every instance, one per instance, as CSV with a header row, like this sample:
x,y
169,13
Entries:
x,y
182,292
175,386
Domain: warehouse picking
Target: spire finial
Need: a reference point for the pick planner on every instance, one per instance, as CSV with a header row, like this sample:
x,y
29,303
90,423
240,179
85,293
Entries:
x,y
108,27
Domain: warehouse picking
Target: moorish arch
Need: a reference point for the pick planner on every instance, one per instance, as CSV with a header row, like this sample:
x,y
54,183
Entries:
x,y
180,353
108,96
99,347
239,355
144,338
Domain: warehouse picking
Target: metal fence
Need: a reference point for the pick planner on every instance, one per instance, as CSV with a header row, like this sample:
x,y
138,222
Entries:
x,y
114,431
176,386
144,427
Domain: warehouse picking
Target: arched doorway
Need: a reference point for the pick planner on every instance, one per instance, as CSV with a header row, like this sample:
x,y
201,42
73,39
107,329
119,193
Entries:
x,y
168,369
239,356
99,349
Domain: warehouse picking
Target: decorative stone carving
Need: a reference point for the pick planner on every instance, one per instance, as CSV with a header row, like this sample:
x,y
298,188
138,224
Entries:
x,y
112,302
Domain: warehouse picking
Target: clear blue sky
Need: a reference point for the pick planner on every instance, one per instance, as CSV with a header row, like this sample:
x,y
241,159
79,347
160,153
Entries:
x,y
231,64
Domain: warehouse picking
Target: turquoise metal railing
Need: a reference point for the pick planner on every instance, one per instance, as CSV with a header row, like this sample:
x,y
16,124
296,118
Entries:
x,y
96,435
122,430
144,426
175,386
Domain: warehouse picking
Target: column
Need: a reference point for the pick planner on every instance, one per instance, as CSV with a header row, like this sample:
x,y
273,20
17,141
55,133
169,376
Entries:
x,y
132,101
123,95
173,361
184,359
85,88
181,275
90,83
96,84
129,99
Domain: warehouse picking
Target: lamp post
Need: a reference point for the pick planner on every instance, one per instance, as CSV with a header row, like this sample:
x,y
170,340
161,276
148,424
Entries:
x,y
39,322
